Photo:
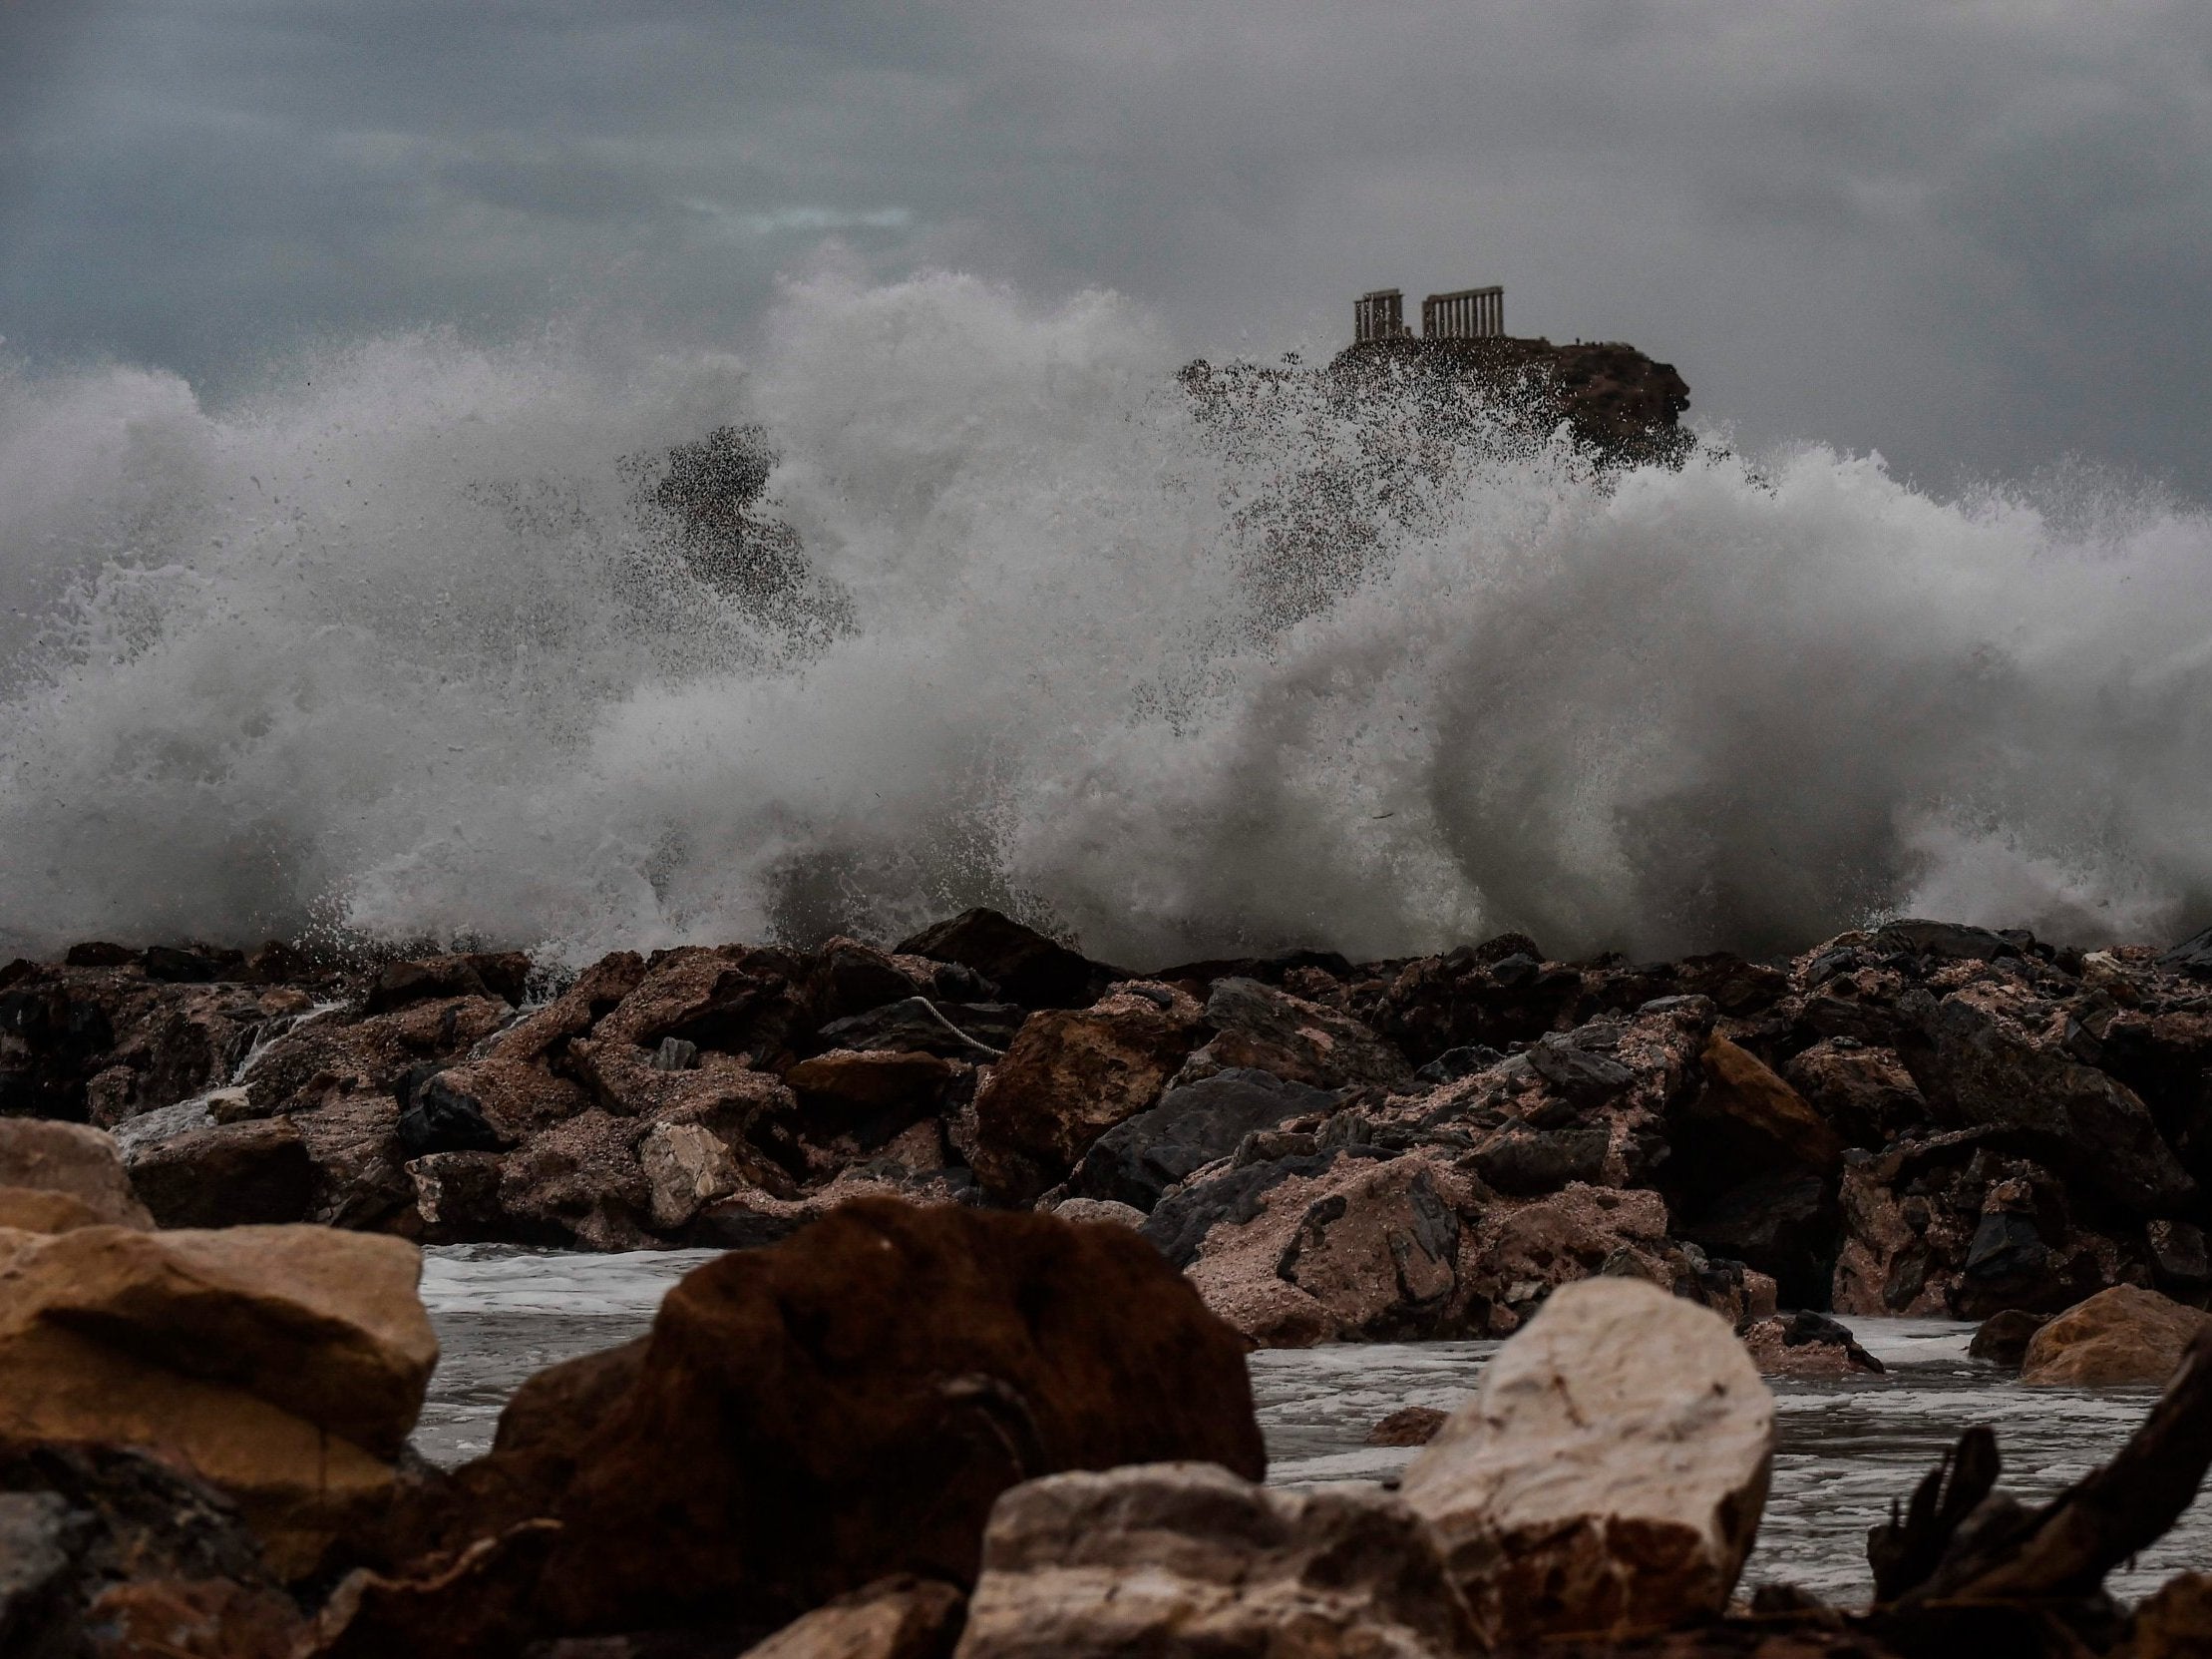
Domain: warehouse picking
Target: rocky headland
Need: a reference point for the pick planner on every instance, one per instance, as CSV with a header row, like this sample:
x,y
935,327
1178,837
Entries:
x,y
1001,1222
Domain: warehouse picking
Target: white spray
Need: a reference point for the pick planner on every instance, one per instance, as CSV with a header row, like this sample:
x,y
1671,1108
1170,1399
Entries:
x,y
383,650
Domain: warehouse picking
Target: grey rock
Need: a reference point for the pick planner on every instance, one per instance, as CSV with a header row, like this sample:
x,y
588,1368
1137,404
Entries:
x,y
1140,1158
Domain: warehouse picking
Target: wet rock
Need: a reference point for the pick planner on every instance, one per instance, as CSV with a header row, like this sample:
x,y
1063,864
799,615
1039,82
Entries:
x,y
113,1552
1491,996
505,975
687,1167
1808,1345
542,1035
483,1105
456,1195
1194,1125
1408,1425
1866,1093
730,1000
319,1057
579,1184
1946,941
976,1032
2003,1338
1262,1028
467,1606
442,1116
775,1451
1995,1061
901,1618
190,963
1524,1161
1950,1226
2119,1337
1069,1077
1521,1253
870,1096
1185,1559
1100,1209
1026,966
1360,1250
359,1161
256,1173
2178,1253
72,1159
283,1364
1608,1476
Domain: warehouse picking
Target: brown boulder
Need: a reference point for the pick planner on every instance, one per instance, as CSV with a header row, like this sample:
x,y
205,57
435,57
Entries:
x,y
284,1365
70,1159
2121,1338
810,1418
1408,1425
1024,965
1865,1092
579,1184
1069,1077
321,1057
1185,1559
252,1174
1265,1030
1806,1345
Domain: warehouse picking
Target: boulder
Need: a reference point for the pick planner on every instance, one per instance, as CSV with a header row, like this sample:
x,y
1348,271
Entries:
x,y
113,1552
1408,1425
1139,1158
1865,1092
901,1618
1808,1345
2004,1337
483,1105
1950,1226
1100,1209
359,1160
1186,1560
976,1032
579,1184
1262,1028
318,1057
1339,1249
686,1165
850,1403
1995,1059
730,1000
868,1095
1026,966
1608,1476
2121,1338
505,975
283,1364
254,1172
69,1159
1069,1077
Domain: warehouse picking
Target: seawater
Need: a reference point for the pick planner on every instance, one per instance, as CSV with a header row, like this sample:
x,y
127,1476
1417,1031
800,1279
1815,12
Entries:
x,y
1847,1448
380,648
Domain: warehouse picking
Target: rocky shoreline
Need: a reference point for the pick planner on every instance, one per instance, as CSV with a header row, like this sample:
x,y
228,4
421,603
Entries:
x,y
1923,1118
996,1215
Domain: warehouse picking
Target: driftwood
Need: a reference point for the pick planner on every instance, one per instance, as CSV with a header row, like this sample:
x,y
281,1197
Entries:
x,y
1963,1558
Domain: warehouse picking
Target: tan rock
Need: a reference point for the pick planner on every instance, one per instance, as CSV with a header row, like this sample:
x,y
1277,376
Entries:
x,y
1610,1473
1188,1559
33,1210
1099,1209
687,1167
1069,1077
894,1618
2119,1338
71,1159
285,1364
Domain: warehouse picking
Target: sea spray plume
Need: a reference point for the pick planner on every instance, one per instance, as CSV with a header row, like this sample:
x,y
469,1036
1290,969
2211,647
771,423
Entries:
x,y
399,650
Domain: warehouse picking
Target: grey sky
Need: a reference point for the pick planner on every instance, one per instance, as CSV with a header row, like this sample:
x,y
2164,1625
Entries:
x,y
1970,234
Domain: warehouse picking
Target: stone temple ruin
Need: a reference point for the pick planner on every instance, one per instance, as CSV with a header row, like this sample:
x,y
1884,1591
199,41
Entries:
x,y
1469,315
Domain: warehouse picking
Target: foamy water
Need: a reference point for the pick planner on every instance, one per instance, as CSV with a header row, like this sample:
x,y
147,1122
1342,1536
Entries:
x,y
1846,1448
385,649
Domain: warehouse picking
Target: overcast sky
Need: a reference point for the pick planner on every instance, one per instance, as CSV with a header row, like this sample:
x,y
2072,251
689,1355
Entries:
x,y
1974,236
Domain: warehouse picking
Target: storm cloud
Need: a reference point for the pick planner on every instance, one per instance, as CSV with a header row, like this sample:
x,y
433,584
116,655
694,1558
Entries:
x,y
1975,236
